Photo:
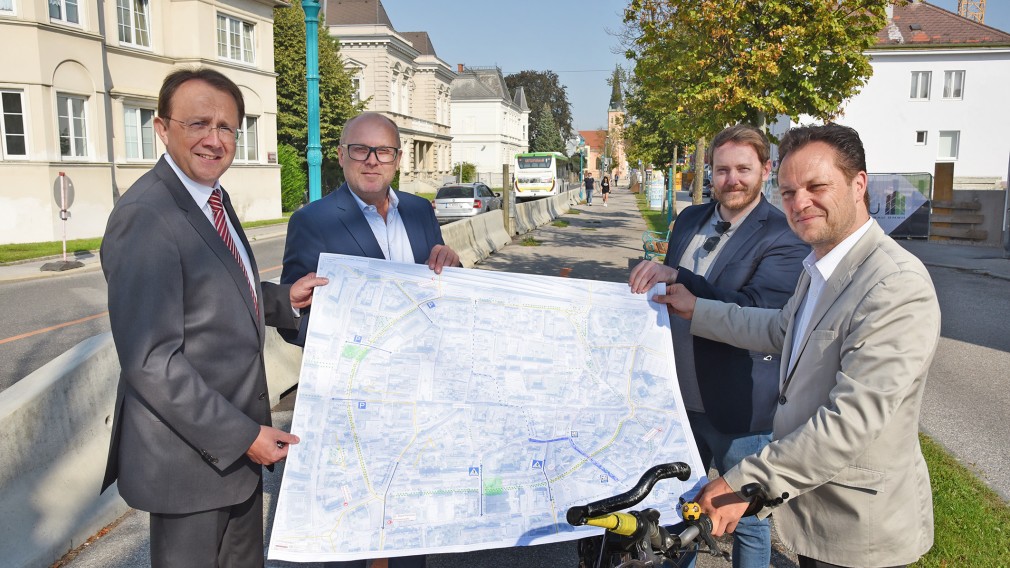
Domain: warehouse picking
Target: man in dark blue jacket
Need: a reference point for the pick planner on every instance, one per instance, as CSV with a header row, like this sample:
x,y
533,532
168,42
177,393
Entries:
x,y
737,249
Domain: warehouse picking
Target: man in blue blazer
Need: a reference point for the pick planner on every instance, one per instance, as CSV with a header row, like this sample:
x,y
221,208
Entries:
x,y
365,217
739,250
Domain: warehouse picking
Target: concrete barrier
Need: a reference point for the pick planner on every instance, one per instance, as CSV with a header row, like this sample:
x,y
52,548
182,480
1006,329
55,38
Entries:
x,y
458,235
55,426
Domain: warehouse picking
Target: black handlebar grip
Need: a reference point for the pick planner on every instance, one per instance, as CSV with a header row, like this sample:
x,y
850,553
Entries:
x,y
631,497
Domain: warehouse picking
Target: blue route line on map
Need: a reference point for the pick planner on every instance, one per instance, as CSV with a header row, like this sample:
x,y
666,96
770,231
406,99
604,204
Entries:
x,y
536,441
592,461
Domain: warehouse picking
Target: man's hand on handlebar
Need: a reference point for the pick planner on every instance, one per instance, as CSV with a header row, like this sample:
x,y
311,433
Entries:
x,y
722,505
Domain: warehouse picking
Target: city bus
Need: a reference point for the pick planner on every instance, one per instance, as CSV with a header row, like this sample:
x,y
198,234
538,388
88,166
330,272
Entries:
x,y
540,174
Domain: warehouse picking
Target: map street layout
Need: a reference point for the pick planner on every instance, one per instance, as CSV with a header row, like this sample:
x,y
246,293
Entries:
x,y
470,410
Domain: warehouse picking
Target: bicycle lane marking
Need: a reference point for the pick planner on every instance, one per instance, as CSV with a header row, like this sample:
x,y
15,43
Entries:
x,y
85,319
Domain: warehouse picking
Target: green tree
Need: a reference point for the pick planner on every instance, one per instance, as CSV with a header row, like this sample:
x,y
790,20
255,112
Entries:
x,y
335,89
705,64
294,181
469,172
543,87
548,137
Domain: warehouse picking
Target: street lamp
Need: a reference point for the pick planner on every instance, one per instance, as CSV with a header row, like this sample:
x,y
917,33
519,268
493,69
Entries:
x,y
314,149
582,152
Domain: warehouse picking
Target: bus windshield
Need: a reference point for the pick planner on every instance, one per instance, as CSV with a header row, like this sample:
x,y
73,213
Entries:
x,y
531,162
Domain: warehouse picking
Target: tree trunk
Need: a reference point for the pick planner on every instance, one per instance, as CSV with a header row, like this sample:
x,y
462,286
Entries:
x,y
699,171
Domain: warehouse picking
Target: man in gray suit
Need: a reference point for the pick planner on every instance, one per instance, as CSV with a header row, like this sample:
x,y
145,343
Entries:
x,y
187,309
737,249
845,468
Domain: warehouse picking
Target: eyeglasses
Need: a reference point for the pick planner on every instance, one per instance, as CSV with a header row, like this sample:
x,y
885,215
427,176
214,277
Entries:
x,y
360,152
201,129
712,242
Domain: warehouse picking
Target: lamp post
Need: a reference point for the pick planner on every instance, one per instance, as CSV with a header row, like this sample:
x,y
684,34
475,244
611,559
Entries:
x,y
315,152
582,152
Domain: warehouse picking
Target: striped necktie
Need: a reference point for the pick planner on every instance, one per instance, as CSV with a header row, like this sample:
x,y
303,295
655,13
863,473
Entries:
x,y
217,208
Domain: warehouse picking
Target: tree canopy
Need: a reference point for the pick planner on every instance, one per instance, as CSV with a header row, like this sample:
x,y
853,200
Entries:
x,y
543,88
335,88
548,135
704,64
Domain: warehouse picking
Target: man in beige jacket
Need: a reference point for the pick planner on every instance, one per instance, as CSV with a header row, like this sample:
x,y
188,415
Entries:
x,y
844,468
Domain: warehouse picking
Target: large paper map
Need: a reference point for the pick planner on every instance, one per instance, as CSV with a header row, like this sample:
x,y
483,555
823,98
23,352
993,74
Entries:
x,y
470,410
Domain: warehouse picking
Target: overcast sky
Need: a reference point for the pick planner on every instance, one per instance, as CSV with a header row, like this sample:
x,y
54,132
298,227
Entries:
x,y
570,37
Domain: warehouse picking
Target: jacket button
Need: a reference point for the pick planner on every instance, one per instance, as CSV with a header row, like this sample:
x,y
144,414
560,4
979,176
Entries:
x,y
782,399
263,395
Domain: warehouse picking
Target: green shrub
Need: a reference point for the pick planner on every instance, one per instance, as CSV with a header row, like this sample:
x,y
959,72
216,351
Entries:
x,y
469,172
294,180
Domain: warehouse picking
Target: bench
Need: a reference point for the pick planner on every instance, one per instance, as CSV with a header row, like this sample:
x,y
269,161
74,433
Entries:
x,y
654,244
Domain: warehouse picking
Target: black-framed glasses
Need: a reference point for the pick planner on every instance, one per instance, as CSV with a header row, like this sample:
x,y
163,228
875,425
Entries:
x,y
360,152
710,243
202,129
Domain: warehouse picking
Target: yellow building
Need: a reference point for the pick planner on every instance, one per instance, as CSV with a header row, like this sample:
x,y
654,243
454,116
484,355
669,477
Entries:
x,y
78,93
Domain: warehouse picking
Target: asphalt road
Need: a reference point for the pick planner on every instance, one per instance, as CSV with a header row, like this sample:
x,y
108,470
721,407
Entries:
x,y
45,317
966,406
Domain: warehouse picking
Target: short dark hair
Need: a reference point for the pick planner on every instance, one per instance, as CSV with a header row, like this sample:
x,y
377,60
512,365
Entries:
x,y
215,79
742,134
850,157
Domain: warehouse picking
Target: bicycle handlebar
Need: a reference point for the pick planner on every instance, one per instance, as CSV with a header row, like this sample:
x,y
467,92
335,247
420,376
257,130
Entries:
x,y
579,515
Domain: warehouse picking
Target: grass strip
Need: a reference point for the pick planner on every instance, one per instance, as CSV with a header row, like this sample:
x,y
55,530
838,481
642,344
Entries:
x,y
560,223
971,522
655,220
28,251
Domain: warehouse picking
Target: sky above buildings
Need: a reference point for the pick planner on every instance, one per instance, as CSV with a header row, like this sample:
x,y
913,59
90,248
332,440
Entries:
x,y
575,39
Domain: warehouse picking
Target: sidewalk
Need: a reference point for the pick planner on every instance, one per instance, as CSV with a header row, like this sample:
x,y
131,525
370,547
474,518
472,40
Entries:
x,y
599,243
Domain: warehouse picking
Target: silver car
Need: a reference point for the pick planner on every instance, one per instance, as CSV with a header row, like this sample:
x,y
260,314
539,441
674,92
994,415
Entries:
x,y
462,200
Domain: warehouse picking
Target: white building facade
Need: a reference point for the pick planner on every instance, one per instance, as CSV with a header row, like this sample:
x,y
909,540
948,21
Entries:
x,y
489,126
78,96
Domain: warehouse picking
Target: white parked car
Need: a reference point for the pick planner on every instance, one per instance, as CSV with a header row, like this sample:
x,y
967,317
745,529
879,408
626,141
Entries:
x,y
461,200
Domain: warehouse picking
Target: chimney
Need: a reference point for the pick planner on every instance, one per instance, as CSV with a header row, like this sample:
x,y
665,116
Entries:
x,y
459,68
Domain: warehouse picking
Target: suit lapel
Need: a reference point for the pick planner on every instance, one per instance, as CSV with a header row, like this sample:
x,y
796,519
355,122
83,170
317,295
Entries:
x,y
253,270
834,287
208,233
690,230
353,219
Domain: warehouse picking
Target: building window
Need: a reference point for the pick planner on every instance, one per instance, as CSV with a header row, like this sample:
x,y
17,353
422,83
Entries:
x,y
64,11
394,94
953,84
73,126
920,85
356,90
234,39
949,142
12,127
920,137
133,25
246,147
139,125
6,6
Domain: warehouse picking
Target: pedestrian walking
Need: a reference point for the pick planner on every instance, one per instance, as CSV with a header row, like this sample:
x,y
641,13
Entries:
x,y
590,183
605,189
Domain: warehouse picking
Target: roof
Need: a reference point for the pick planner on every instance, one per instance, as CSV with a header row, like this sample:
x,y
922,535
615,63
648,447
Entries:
x,y
922,24
594,138
520,99
482,83
355,12
421,42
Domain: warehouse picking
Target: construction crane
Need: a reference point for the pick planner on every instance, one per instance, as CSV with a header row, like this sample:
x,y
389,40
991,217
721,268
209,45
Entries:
x,y
972,9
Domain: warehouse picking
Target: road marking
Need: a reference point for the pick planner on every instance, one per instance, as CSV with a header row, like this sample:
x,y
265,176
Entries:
x,y
83,320
53,328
